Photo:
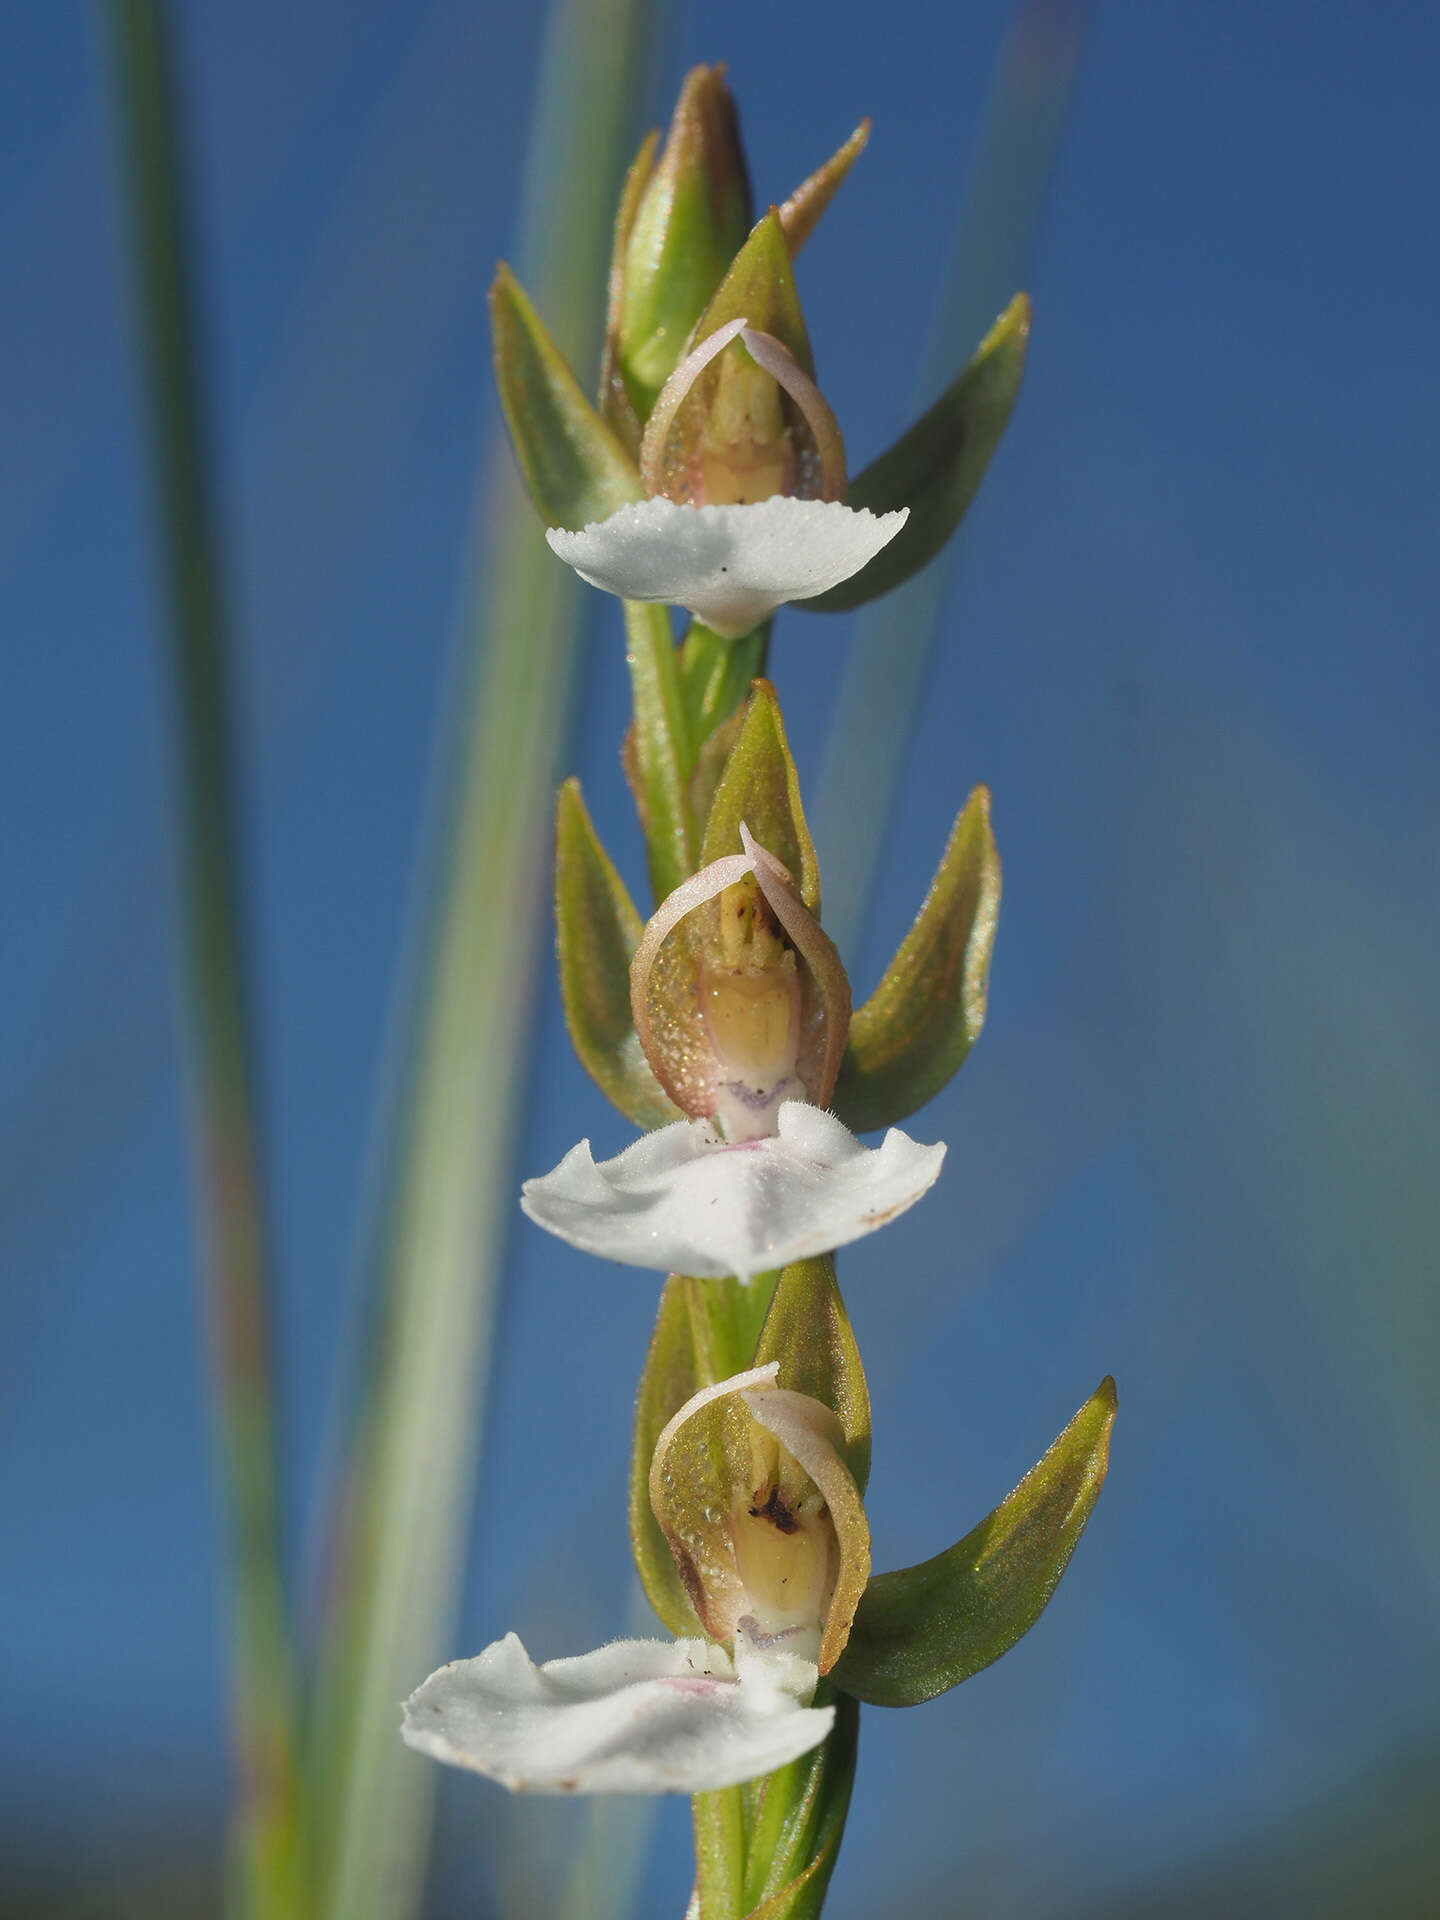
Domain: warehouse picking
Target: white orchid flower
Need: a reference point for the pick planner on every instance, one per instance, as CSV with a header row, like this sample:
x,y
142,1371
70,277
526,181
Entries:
x,y
638,1716
741,1006
787,1554
722,533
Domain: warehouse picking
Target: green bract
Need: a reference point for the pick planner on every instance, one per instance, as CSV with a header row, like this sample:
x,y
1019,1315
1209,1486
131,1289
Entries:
x,y
574,465
925,1629
936,467
597,930
761,787
915,1030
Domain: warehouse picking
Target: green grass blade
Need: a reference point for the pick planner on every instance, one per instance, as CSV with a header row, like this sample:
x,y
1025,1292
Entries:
x,y
1028,107
412,1472
268,1879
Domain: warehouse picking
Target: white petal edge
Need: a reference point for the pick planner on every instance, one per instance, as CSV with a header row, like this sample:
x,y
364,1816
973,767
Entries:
x,y
730,566
638,1716
681,1201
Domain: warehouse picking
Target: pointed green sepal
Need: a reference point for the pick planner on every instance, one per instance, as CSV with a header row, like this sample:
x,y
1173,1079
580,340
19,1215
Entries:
x,y
760,288
573,462
925,1629
808,1331
761,787
915,1030
800,214
936,467
597,932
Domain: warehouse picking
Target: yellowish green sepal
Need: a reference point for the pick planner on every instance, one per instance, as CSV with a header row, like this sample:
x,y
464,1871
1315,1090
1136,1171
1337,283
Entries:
x,y
936,467
914,1032
597,931
808,1331
574,464
923,1630
761,787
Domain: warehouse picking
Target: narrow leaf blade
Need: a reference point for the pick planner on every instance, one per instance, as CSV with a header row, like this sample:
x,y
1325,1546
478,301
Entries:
x,y
936,467
914,1032
924,1629
574,464
597,931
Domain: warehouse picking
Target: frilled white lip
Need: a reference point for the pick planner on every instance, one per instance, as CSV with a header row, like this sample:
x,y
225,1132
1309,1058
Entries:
x,y
639,1716
730,566
682,1201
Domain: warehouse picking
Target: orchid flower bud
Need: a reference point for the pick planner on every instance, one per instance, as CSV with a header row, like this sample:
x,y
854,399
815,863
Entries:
x,y
689,222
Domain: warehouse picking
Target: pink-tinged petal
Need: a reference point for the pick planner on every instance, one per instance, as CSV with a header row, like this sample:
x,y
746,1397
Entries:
x,y
680,958
825,1006
782,366
672,396
770,1542
730,566
682,1201
664,990
639,1716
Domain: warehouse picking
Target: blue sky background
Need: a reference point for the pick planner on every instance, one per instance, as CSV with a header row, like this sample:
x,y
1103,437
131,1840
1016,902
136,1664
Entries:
x,y
1191,647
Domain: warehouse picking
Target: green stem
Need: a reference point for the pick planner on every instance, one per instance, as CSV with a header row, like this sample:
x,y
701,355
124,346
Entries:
x,y
408,1493
270,1880
715,675
664,754
719,1820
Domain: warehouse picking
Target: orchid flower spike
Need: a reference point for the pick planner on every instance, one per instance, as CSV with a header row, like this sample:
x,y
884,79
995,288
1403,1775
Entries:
x,y
742,1006
788,1556
744,467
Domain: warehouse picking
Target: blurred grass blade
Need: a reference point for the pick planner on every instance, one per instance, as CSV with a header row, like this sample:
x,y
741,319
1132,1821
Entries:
x,y
1029,103
406,1507
269,1876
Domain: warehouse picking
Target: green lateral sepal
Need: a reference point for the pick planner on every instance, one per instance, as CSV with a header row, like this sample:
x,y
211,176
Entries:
x,y
913,1033
808,1331
923,1630
936,467
761,787
597,930
800,214
574,464
760,288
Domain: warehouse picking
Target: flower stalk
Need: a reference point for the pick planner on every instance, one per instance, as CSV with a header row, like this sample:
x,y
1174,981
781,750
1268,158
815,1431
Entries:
x,y
712,478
